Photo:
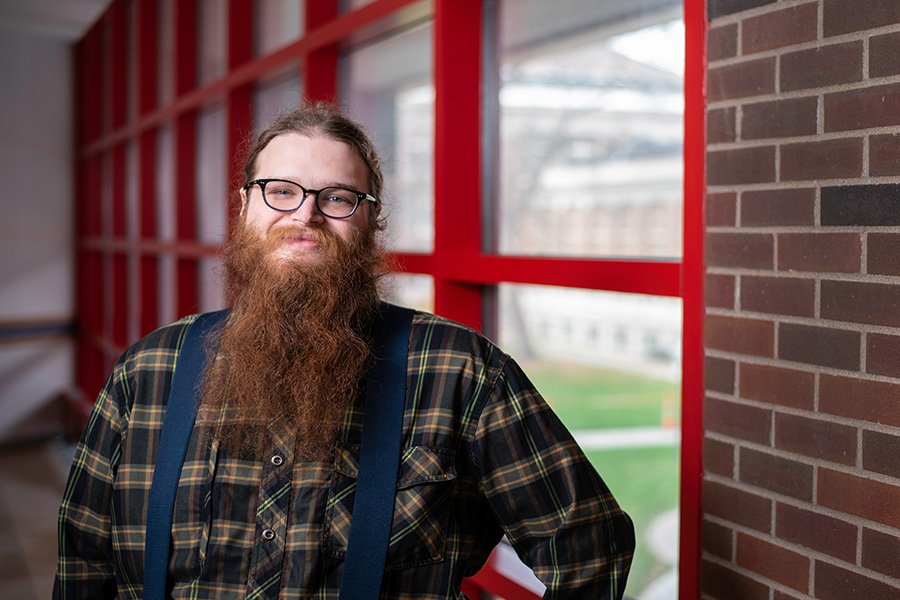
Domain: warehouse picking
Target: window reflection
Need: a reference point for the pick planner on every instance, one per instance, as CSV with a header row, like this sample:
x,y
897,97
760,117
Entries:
x,y
590,129
388,87
609,366
413,291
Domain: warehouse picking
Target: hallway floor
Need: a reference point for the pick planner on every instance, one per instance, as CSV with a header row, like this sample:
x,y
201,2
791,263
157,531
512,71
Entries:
x,y
32,477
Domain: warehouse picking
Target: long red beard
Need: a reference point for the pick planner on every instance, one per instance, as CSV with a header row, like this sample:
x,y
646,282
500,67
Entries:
x,y
294,351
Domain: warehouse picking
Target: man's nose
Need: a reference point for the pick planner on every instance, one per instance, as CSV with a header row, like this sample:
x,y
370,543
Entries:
x,y
307,211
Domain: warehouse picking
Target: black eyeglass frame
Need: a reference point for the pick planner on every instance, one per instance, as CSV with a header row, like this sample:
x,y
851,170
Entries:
x,y
360,196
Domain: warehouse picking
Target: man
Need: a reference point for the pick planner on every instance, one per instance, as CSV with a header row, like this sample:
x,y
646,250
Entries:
x,y
265,497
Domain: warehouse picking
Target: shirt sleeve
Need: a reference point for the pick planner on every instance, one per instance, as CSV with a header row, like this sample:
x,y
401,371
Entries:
x,y
85,565
555,509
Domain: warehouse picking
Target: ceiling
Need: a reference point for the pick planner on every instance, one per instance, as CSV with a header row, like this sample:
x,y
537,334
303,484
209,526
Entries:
x,y
64,20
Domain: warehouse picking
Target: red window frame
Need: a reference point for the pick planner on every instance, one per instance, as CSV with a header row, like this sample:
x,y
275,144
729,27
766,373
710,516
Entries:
x,y
462,272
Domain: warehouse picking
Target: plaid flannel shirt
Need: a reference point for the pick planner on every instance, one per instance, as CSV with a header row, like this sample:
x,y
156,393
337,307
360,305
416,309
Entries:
x,y
483,456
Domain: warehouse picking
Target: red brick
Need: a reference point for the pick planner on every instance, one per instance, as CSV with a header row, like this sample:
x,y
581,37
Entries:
x,y
773,561
884,55
780,28
866,400
866,498
779,119
737,506
717,581
861,302
777,474
884,154
778,207
741,80
881,552
719,291
861,205
834,583
883,354
823,346
721,209
828,159
821,66
778,295
882,252
740,250
820,252
721,125
877,106
881,453
742,165
744,336
718,457
777,385
717,539
816,531
737,420
718,374
779,595
720,8
722,42
816,438
845,16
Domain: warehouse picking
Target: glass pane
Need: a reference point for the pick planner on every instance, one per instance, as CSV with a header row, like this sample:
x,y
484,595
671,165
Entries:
x,y
166,289
414,291
165,184
350,5
211,46
388,87
609,365
275,95
590,128
165,89
131,58
212,291
212,179
278,23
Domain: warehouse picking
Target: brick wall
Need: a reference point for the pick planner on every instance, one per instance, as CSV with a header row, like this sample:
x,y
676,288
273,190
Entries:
x,y
801,493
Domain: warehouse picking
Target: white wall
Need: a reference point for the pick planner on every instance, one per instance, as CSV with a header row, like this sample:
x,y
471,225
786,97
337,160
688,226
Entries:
x,y
36,226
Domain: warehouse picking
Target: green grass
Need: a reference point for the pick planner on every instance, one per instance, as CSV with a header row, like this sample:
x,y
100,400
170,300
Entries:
x,y
593,398
643,480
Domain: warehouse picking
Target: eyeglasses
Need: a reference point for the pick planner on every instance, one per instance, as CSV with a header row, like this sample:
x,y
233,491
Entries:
x,y
287,196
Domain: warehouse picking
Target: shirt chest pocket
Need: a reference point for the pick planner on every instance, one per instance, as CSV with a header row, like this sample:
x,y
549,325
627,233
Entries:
x,y
421,506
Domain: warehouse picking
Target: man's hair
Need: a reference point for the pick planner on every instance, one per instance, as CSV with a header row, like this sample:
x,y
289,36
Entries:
x,y
326,120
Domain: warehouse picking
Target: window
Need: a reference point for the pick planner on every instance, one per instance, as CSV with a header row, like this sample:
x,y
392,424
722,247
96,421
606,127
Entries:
x,y
533,156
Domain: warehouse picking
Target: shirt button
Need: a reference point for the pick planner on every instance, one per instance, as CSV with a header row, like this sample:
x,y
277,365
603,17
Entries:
x,y
268,534
277,460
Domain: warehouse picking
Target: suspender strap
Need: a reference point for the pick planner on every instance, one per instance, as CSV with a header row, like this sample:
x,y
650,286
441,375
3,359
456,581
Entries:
x,y
184,396
379,461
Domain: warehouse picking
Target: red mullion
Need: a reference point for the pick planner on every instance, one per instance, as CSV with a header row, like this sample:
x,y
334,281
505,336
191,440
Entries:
x,y
321,65
241,25
186,212
186,270
119,283
147,13
692,387
92,107
149,264
457,152
119,66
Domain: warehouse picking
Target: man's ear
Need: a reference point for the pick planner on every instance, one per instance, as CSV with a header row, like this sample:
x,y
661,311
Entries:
x,y
244,200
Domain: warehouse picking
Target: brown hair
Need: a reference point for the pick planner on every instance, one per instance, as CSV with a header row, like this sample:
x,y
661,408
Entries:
x,y
323,119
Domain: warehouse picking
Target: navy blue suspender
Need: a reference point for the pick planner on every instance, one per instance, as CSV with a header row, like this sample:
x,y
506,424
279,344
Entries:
x,y
378,466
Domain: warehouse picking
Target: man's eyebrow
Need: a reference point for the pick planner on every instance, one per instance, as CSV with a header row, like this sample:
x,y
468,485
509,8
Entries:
x,y
331,184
